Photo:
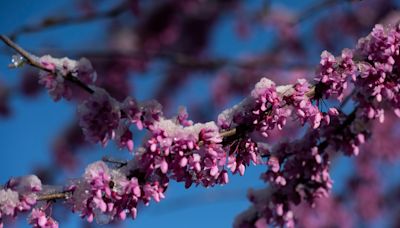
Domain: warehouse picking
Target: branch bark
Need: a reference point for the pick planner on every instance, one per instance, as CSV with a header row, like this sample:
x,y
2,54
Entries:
x,y
52,196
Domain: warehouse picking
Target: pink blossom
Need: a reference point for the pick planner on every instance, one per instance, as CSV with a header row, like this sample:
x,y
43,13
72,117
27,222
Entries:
x,y
9,202
56,85
54,80
303,106
99,117
334,74
123,137
39,219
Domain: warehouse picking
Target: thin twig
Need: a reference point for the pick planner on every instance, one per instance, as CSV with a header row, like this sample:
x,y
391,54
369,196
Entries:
x,y
78,82
114,161
35,62
31,59
57,21
228,133
53,196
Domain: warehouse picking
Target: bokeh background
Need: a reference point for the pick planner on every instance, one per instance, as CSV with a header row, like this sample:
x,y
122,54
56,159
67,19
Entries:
x,y
204,55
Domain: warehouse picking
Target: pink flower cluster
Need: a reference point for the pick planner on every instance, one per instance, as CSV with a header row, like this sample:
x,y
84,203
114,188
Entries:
x,y
261,111
191,154
18,195
351,137
334,73
241,153
298,171
303,106
142,115
268,112
54,80
99,117
378,84
270,106
302,174
103,118
112,193
39,219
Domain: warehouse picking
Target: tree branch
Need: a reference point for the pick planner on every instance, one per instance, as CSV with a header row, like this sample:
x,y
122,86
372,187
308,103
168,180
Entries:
x,y
35,62
31,59
52,196
119,163
57,21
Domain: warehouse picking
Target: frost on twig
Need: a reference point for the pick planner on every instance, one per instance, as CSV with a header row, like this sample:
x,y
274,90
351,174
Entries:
x,y
17,61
